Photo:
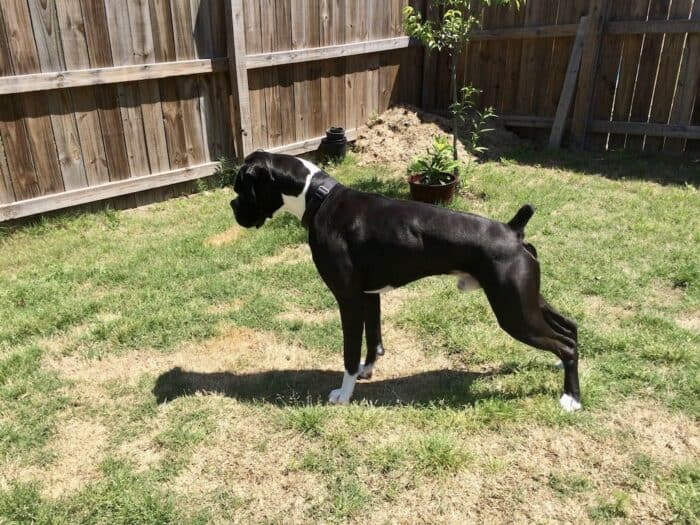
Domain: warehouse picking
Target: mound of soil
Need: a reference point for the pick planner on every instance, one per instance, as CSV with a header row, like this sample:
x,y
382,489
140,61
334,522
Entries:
x,y
402,132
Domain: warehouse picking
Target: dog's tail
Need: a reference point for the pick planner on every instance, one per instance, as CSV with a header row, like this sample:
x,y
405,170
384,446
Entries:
x,y
519,222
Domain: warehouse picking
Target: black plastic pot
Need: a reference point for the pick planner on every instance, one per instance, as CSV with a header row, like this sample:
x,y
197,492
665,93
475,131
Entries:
x,y
334,145
432,193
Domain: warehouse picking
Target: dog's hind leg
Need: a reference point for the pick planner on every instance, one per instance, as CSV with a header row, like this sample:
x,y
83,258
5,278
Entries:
x,y
523,314
352,319
373,334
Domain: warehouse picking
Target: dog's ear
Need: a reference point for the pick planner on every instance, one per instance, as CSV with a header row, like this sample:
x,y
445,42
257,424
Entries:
x,y
237,179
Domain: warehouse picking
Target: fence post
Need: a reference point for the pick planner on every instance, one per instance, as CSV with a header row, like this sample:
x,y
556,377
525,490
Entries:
x,y
238,75
598,15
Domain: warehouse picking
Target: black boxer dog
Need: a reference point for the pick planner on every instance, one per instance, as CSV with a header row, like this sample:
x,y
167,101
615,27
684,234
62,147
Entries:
x,y
365,244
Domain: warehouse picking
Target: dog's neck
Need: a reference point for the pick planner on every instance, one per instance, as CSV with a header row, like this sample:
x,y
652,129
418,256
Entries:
x,y
296,204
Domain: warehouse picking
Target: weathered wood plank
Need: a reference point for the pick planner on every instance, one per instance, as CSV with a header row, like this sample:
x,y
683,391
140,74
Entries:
x,y
667,74
76,56
650,129
303,146
65,130
653,26
13,133
7,193
569,88
688,86
236,28
527,32
310,54
312,34
377,13
607,77
164,51
629,63
104,191
646,74
270,75
591,51
109,75
187,88
513,68
253,45
33,108
350,65
17,151
100,54
148,91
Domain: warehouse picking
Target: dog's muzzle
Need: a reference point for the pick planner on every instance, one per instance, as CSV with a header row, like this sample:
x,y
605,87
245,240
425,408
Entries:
x,y
247,215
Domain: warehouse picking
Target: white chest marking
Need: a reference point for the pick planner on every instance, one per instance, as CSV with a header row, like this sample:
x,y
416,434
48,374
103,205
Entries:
x,y
296,204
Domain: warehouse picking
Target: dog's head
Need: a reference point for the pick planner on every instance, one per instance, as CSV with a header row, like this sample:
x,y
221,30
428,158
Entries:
x,y
259,193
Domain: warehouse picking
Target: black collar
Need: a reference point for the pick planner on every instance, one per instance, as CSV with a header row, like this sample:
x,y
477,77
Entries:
x,y
315,196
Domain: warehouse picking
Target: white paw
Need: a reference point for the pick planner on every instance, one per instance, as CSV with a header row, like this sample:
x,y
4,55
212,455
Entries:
x,y
568,403
559,364
365,371
338,397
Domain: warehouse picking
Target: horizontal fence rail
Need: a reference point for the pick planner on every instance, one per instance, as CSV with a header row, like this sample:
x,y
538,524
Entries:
x,y
103,99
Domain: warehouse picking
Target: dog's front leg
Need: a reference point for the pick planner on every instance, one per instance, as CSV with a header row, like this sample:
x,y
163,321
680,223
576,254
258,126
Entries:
x,y
373,334
352,319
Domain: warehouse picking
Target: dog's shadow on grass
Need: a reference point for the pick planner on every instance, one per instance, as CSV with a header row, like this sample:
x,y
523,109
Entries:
x,y
291,387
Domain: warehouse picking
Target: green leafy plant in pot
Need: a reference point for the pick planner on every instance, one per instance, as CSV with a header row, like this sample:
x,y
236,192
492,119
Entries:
x,y
432,176
449,34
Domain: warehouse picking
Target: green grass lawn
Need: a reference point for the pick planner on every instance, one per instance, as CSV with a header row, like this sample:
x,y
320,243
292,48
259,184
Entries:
x,y
160,365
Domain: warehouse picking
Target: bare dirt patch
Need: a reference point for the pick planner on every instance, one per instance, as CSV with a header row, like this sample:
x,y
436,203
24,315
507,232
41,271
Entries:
x,y
77,450
403,132
600,308
690,321
225,237
288,255
308,316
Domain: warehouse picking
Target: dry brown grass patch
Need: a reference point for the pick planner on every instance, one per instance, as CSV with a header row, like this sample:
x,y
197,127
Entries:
x,y
225,237
76,449
288,255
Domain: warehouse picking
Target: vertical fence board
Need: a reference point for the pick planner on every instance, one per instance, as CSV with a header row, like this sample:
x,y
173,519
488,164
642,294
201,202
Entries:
x,y
513,59
13,134
669,63
253,40
629,62
164,51
349,77
65,130
270,74
312,32
100,55
34,106
75,52
608,74
7,194
688,86
283,41
646,76
333,72
148,91
187,88
589,62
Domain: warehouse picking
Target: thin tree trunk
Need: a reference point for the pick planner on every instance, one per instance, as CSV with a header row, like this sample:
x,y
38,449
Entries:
x,y
453,84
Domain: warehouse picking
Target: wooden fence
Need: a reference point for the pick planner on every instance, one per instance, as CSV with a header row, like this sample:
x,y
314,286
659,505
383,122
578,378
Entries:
x,y
107,98
633,77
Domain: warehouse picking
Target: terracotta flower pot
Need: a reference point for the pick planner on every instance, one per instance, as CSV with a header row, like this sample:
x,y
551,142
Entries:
x,y
433,193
